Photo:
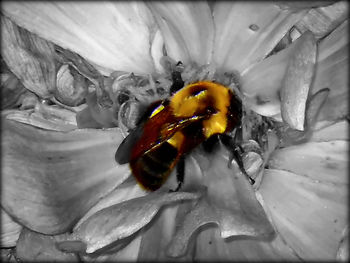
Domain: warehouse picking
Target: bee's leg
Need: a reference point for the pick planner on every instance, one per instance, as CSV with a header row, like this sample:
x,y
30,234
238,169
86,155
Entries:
x,y
236,151
210,144
180,173
178,83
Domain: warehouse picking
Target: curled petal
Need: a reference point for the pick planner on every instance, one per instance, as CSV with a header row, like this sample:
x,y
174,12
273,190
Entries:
x,y
187,29
314,106
29,57
309,215
111,35
10,230
230,203
247,32
95,115
120,221
126,191
157,50
35,247
262,82
252,163
45,117
12,91
71,88
234,199
129,253
197,216
211,247
157,237
53,178
296,84
332,72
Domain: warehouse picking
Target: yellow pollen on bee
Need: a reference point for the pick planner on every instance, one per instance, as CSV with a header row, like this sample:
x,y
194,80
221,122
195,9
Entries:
x,y
157,110
185,104
176,140
214,125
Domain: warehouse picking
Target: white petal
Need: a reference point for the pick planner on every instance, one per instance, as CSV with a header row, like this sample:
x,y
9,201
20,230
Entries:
x,y
332,72
126,191
310,216
157,50
336,131
262,82
247,31
29,57
10,230
229,202
326,161
112,35
156,238
323,20
36,247
211,247
45,117
295,5
187,28
297,81
53,178
121,221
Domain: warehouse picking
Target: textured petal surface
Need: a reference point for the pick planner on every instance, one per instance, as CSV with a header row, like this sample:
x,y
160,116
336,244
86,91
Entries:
x,y
112,35
310,215
53,178
246,32
233,197
322,20
262,82
10,230
45,117
336,131
29,57
343,251
126,191
296,5
129,253
157,237
296,84
327,159
230,203
187,28
122,220
332,72
35,247
160,232
12,90
211,247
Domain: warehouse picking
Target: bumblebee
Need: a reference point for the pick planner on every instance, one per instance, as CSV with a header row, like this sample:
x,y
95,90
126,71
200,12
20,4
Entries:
x,y
201,112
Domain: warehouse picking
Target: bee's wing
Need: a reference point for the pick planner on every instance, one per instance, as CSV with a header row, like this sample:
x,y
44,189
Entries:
x,y
152,133
123,153
159,129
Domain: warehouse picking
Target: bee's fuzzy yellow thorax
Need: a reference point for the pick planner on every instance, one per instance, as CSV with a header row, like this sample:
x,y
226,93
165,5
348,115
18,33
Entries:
x,y
196,98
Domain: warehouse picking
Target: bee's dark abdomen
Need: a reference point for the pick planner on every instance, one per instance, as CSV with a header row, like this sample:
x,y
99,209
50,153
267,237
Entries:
x,y
165,153
152,168
149,181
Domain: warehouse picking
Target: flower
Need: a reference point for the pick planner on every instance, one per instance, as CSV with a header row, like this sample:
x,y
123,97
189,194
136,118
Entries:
x,y
63,181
